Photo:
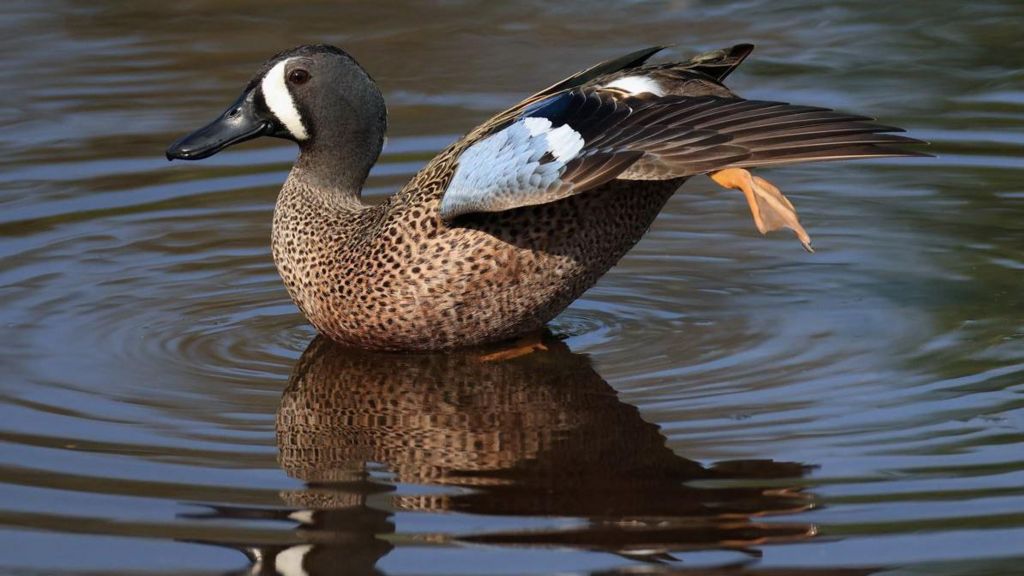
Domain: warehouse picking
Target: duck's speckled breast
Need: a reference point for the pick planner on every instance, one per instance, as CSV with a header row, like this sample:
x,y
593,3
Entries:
x,y
395,277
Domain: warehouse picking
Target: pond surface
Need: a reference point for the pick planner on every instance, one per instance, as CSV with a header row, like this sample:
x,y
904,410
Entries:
x,y
720,400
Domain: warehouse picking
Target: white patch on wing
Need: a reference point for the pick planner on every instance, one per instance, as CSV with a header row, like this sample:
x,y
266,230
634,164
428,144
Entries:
x,y
505,170
637,85
563,142
279,100
302,516
288,562
537,126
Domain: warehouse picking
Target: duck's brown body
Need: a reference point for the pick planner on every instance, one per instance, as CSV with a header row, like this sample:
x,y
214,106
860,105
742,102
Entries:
x,y
395,277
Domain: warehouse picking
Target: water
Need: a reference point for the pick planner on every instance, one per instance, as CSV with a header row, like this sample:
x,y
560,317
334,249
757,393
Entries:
x,y
718,400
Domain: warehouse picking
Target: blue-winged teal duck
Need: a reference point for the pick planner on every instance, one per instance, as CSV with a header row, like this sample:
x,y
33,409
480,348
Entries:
x,y
506,227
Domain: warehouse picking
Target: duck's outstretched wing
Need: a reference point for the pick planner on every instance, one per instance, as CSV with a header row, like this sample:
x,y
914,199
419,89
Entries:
x,y
579,138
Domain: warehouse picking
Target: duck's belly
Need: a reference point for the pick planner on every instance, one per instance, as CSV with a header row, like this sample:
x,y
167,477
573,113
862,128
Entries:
x,y
491,277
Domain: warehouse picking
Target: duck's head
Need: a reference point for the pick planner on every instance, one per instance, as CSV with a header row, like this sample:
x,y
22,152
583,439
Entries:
x,y
315,95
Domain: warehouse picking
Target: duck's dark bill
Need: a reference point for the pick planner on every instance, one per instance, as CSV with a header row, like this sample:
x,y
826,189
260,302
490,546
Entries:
x,y
240,122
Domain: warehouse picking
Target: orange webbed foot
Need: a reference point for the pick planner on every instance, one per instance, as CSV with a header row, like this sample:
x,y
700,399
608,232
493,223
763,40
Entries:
x,y
770,209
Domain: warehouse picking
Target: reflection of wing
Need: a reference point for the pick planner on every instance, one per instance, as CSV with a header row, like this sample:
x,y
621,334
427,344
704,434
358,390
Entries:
x,y
578,139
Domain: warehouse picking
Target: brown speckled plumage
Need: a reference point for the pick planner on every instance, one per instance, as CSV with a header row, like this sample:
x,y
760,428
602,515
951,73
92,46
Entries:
x,y
394,276
399,276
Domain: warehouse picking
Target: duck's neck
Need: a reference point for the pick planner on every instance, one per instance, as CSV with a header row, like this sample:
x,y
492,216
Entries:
x,y
335,166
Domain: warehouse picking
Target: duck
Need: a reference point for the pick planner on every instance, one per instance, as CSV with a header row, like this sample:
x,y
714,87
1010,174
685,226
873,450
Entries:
x,y
507,226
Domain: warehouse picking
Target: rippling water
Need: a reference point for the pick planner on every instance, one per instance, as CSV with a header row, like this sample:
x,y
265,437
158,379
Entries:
x,y
718,400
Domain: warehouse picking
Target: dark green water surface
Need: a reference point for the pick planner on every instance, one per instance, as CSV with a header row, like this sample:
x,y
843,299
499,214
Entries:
x,y
720,401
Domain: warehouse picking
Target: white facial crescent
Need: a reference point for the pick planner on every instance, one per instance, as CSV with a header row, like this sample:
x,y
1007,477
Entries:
x,y
279,100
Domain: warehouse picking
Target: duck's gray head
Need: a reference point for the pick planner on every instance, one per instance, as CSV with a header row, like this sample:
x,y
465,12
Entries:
x,y
315,95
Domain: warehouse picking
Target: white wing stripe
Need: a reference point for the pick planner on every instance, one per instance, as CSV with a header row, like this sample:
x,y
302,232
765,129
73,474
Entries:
x,y
637,85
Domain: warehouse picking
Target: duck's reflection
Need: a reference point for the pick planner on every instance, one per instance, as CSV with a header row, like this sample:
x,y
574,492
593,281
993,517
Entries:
x,y
539,435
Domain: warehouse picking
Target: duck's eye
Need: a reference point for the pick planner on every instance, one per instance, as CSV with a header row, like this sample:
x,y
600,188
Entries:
x,y
298,76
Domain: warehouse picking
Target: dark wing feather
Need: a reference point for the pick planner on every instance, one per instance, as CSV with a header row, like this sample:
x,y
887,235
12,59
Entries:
x,y
606,68
680,136
718,64
627,62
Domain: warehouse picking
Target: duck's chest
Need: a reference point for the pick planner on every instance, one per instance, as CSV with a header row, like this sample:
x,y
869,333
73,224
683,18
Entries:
x,y
309,238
